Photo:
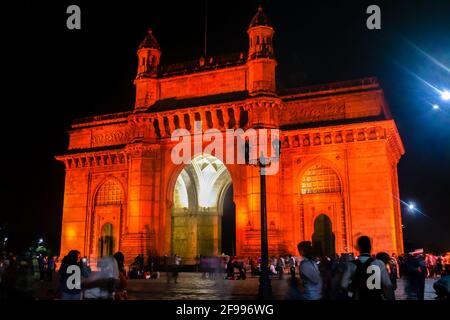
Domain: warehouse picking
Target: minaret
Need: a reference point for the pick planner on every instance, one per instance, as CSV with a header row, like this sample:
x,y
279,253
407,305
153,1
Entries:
x,y
261,62
149,54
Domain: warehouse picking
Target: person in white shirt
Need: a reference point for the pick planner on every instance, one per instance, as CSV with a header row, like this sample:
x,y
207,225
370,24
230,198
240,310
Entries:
x,y
272,269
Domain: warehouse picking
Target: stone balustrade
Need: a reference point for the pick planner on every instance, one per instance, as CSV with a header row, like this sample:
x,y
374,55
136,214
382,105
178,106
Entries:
x,y
327,136
164,123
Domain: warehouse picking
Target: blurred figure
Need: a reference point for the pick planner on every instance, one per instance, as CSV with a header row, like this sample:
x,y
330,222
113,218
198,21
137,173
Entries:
x,y
442,286
51,267
431,261
71,259
393,270
120,292
281,264
336,291
309,273
85,267
401,265
177,268
292,265
100,285
387,260
174,264
354,279
272,269
415,272
203,266
43,266
439,265
230,268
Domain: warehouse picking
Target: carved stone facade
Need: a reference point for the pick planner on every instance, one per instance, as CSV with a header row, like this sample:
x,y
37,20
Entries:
x,y
339,154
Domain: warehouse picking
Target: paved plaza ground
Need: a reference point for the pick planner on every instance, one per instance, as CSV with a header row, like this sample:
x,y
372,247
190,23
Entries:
x,y
192,286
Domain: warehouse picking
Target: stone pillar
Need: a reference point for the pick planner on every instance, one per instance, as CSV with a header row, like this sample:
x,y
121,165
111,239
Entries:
x,y
226,117
215,119
152,130
204,120
143,202
192,120
171,121
162,127
75,228
237,116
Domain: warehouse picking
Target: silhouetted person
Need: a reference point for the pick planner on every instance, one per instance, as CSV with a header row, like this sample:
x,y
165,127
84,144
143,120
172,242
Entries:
x,y
292,265
356,275
415,273
71,259
120,292
309,273
442,286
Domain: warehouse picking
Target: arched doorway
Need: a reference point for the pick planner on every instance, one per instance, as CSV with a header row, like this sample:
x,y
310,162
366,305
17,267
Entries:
x,y
228,224
106,242
108,204
200,201
323,237
322,193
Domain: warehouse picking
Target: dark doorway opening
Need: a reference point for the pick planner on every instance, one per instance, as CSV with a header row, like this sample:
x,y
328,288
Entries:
x,y
228,225
106,241
323,237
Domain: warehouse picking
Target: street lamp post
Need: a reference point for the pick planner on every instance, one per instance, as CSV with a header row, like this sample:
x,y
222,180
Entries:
x,y
265,287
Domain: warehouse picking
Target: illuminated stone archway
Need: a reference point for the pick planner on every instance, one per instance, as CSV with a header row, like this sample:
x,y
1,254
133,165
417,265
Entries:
x,y
322,207
198,208
106,219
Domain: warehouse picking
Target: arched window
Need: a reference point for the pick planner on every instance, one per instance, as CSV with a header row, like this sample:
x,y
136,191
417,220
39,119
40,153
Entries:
x,y
109,193
320,179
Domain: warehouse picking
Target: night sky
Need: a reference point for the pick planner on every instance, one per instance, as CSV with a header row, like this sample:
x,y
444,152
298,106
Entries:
x,y
52,75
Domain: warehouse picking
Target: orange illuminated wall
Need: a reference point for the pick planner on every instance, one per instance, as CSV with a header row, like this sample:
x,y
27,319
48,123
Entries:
x,y
340,150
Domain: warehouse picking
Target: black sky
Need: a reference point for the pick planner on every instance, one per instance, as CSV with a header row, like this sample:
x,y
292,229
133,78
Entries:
x,y
52,75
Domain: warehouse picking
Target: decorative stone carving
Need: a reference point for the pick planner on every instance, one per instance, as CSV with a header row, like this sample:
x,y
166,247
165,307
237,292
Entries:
x,y
297,113
112,138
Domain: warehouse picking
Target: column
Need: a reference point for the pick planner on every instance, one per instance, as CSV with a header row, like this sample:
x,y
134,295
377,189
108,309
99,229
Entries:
x,y
237,116
215,119
171,122
226,117
204,120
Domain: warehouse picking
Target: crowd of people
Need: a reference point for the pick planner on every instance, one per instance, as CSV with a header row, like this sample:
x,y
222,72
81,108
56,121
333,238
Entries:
x,y
311,275
367,276
314,276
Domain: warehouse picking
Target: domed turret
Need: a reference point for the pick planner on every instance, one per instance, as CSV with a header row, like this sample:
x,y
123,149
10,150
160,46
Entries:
x,y
149,41
149,54
260,19
261,62
260,34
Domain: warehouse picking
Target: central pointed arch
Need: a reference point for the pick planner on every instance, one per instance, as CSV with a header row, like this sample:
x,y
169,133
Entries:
x,y
199,197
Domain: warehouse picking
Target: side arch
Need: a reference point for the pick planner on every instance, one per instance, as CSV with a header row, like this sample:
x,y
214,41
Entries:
x,y
107,207
328,198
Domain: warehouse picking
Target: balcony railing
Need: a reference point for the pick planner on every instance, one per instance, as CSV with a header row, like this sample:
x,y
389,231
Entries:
x,y
203,64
